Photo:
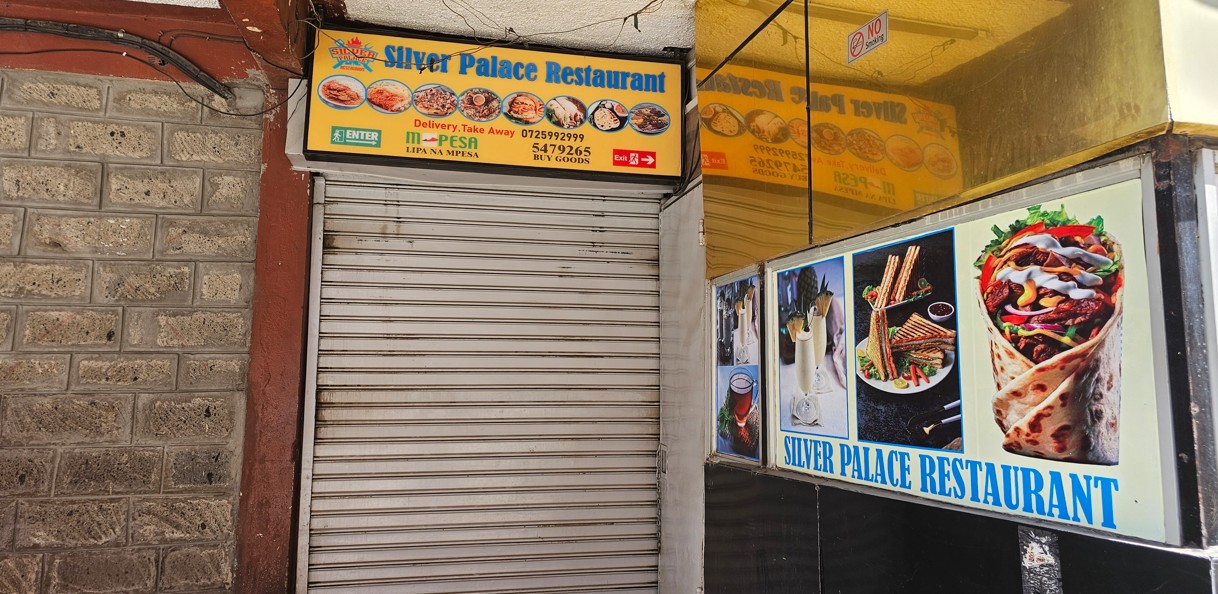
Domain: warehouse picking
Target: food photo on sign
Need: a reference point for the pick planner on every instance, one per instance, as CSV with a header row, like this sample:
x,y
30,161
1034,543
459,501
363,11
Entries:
x,y
1050,286
389,96
906,378
398,97
737,369
812,350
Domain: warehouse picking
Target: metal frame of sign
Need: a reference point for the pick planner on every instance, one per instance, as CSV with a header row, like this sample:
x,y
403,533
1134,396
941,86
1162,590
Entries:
x,y
1136,170
678,119
1205,194
719,374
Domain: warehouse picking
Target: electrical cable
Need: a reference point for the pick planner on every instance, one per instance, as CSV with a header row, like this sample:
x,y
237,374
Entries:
x,y
221,111
512,37
165,54
152,48
174,34
159,70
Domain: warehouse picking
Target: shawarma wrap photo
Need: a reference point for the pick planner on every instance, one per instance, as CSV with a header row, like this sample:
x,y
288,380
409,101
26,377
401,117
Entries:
x,y
1051,291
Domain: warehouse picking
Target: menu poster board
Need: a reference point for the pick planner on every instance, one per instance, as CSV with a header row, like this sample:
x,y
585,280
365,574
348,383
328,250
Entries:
x,y
385,96
921,291
813,354
878,148
737,410
1005,363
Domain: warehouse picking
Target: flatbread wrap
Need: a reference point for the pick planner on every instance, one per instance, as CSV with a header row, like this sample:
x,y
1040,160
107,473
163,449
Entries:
x,y
1051,290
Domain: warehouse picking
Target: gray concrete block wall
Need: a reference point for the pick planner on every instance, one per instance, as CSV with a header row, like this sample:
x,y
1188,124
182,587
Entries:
x,y
127,234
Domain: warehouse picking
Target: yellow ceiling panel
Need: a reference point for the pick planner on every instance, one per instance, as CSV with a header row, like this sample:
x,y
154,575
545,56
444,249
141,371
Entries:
x,y
927,38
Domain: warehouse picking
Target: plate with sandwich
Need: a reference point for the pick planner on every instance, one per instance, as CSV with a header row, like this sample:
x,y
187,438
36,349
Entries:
x,y
906,359
902,281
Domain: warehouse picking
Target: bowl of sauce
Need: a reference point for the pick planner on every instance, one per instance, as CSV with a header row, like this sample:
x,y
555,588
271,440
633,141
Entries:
x,y
940,311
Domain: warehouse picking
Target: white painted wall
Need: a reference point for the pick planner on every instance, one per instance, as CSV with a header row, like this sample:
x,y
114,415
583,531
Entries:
x,y
578,24
1190,56
684,389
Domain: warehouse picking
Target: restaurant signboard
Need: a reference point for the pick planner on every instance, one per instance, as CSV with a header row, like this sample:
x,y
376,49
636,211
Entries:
x,y
391,97
1002,361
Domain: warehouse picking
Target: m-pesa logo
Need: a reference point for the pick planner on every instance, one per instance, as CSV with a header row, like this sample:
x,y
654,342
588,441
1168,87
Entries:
x,y
352,55
442,140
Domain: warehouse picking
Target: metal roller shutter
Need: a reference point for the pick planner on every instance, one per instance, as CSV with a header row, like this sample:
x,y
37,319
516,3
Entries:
x,y
487,394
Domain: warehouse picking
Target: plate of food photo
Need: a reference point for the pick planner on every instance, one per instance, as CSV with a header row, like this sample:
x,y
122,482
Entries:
x,y
767,126
524,108
939,160
435,101
722,120
479,105
341,92
649,118
906,359
566,112
799,131
828,138
389,96
903,152
607,115
865,144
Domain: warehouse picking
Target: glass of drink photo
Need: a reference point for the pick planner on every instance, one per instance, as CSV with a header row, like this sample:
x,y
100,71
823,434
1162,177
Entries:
x,y
810,347
740,396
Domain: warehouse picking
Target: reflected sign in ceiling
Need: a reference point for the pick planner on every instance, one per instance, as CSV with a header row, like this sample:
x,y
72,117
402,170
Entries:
x,y
879,148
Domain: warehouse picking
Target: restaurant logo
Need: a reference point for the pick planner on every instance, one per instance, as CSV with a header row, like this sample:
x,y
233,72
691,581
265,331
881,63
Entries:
x,y
442,140
930,122
355,136
352,55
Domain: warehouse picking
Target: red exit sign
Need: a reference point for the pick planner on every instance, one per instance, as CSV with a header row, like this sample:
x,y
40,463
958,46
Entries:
x,y
714,160
628,158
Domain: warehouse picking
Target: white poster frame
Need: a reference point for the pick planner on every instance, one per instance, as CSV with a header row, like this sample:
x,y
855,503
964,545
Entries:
x,y
1135,168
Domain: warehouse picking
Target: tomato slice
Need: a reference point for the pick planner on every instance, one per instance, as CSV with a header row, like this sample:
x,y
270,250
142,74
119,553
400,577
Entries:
x,y
1029,230
987,272
1071,230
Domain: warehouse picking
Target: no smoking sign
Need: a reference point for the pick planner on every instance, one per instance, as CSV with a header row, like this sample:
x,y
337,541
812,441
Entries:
x,y
867,38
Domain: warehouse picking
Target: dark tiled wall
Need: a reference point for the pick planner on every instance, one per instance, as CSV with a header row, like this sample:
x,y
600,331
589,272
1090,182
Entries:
x,y
769,535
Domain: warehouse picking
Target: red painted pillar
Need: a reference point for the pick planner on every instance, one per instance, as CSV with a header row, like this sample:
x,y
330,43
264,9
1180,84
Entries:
x,y
270,470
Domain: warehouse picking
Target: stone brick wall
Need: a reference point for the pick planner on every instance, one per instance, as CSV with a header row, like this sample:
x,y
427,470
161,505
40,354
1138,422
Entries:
x,y
127,221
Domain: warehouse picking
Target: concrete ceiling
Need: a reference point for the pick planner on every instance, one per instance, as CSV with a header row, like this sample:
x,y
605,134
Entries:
x,y
580,24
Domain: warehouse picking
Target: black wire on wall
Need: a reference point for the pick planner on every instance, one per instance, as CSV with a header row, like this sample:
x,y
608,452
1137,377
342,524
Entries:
x,y
152,48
